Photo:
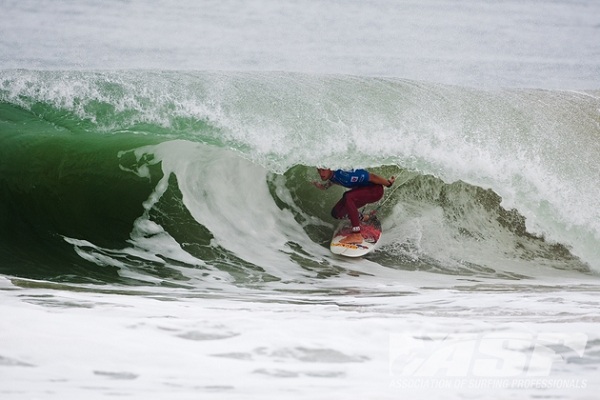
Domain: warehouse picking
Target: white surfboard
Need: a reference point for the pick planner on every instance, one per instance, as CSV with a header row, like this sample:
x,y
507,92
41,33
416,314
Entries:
x,y
370,231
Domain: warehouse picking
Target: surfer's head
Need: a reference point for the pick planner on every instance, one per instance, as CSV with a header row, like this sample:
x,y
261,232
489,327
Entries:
x,y
325,173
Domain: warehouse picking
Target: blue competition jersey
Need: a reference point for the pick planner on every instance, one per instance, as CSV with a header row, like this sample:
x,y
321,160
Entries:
x,y
351,179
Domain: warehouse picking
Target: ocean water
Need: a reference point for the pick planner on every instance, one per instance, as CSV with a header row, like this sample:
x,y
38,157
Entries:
x,y
159,235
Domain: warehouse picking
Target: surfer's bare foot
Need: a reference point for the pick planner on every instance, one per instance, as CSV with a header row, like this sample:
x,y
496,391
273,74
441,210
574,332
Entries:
x,y
367,216
353,238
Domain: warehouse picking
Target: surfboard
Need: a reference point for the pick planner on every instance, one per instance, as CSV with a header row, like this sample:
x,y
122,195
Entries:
x,y
370,230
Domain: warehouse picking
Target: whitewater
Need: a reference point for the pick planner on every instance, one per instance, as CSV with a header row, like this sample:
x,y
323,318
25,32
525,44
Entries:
x,y
160,236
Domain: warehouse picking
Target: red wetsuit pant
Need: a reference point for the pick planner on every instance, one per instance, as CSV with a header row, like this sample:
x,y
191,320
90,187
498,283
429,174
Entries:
x,y
355,199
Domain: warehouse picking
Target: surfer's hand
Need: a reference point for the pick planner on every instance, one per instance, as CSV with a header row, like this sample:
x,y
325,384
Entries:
x,y
319,185
391,181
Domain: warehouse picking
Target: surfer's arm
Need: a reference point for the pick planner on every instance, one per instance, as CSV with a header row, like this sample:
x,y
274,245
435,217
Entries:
x,y
378,180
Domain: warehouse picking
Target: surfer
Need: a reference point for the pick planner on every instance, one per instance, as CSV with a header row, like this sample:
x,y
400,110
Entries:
x,y
365,187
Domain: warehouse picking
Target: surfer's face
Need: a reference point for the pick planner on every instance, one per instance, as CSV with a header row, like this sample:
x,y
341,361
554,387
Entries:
x,y
325,174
